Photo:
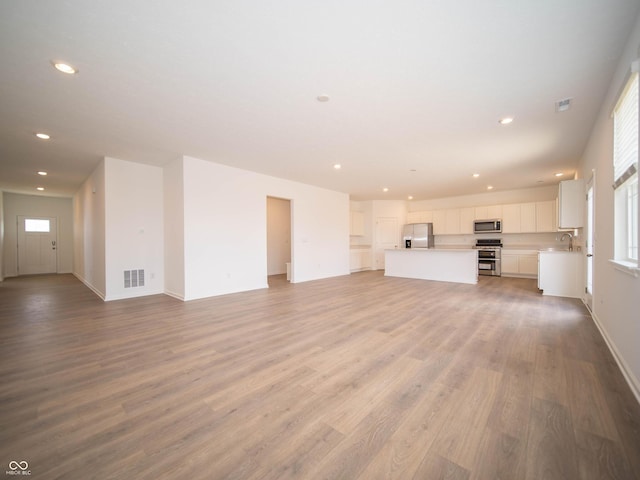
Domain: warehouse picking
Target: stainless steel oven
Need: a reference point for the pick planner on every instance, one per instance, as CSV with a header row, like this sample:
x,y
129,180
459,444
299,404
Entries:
x,y
489,257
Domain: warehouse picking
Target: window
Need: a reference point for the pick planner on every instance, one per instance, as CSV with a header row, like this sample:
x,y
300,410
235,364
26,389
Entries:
x,y
625,174
36,225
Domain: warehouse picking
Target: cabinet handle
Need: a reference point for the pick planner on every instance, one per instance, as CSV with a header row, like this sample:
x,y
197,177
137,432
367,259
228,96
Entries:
x,y
589,254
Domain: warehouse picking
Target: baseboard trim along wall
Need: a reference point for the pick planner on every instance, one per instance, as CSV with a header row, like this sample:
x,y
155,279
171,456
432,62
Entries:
x,y
633,382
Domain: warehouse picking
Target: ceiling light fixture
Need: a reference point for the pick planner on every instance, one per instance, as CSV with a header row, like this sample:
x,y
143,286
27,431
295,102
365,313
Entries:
x,y
43,136
323,98
64,68
40,189
559,174
505,120
385,189
43,173
337,166
489,187
476,175
410,197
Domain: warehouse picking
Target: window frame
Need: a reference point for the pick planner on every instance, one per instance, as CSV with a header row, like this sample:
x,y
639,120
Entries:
x,y
626,145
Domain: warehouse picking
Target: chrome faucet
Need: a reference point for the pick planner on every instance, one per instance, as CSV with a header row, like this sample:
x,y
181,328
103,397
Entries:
x,y
570,240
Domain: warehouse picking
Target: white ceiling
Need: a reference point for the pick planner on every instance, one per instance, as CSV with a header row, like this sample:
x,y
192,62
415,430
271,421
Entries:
x,y
416,89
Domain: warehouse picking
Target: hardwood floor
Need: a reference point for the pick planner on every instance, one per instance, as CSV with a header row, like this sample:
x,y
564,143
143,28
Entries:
x,y
357,377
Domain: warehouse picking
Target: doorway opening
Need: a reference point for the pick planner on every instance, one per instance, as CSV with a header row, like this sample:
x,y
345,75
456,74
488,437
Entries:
x,y
589,244
37,245
279,267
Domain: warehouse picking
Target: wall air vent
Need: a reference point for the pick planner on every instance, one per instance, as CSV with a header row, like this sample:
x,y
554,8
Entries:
x,y
563,105
133,278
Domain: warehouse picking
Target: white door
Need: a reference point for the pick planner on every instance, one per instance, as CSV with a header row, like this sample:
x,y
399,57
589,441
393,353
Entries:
x,y
589,246
37,245
387,236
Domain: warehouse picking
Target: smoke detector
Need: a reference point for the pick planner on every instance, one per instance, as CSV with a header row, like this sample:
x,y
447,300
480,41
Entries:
x,y
563,105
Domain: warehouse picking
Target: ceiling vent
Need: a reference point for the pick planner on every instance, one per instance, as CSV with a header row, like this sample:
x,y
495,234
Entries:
x,y
563,105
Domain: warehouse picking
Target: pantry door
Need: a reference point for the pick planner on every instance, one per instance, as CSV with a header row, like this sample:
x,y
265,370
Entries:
x,y
387,236
37,245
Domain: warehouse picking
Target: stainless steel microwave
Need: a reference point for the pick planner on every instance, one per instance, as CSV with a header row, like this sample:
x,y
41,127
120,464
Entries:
x,y
487,226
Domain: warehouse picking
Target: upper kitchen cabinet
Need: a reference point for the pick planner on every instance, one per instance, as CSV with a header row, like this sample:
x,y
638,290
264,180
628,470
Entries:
x,y
420,217
519,218
467,216
489,212
357,223
546,216
571,204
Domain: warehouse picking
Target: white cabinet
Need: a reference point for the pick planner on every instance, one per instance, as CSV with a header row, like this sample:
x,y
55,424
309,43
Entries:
x,y
467,216
413,217
488,212
528,264
560,274
519,218
546,216
511,218
452,222
528,218
439,222
360,259
571,199
520,263
357,223
420,217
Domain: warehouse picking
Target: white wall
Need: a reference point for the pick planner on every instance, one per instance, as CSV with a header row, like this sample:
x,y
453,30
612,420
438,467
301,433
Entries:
x,y
278,235
225,229
134,227
506,197
616,294
89,232
16,204
174,229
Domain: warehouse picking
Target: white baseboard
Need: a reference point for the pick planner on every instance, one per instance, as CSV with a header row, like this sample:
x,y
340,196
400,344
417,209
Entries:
x,y
631,379
174,295
89,286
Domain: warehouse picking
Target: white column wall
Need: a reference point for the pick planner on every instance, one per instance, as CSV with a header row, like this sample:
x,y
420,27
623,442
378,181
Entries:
x,y
225,229
174,229
89,232
134,227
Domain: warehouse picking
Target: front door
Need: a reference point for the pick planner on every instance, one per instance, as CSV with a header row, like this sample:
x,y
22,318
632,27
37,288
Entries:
x,y
387,236
37,245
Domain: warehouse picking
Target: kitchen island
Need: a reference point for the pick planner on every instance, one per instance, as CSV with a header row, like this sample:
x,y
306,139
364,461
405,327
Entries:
x,y
459,265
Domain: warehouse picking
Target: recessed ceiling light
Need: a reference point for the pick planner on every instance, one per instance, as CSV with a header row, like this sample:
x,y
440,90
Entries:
x,y
337,166
385,189
43,173
43,136
410,197
64,68
505,120
40,188
476,175
489,187
323,98
559,174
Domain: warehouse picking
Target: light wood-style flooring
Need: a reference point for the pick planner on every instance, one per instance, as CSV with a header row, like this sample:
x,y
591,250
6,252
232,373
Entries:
x,y
359,377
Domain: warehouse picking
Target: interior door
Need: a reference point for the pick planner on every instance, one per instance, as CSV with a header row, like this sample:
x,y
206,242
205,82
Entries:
x,y
589,246
387,236
37,245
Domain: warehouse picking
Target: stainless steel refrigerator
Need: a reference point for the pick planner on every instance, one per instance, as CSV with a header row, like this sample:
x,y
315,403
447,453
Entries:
x,y
417,235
